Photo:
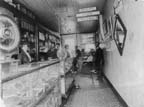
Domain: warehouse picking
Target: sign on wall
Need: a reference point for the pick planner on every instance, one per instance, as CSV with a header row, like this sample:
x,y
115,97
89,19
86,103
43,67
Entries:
x,y
87,14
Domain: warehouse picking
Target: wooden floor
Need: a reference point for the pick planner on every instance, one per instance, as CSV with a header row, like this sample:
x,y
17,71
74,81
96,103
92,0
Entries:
x,y
92,92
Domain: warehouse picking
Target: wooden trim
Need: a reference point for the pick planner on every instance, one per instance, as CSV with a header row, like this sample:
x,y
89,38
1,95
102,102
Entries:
x,y
124,104
23,73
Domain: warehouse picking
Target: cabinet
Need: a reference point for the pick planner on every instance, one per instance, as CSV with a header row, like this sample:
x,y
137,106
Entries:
x,y
28,36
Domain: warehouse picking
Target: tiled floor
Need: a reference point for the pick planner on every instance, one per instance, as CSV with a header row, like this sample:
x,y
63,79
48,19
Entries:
x,y
92,93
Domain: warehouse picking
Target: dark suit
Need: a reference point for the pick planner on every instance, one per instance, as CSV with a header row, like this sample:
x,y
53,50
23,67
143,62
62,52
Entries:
x,y
99,60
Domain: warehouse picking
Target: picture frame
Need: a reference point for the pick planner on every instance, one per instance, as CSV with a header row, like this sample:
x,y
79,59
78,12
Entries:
x,y
112,21
119,34
105,27
110,27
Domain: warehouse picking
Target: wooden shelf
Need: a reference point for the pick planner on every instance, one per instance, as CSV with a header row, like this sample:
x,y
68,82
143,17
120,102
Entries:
x,y
16,12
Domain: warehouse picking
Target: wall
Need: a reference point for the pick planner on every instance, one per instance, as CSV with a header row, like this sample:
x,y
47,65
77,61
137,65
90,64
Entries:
x,y
83,40
69,40
126,72
86,41
67,25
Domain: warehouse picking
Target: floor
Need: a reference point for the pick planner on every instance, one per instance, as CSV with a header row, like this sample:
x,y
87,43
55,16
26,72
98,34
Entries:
x,y
92,93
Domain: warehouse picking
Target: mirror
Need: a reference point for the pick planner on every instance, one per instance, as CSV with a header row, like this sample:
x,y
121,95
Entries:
x,y
119,34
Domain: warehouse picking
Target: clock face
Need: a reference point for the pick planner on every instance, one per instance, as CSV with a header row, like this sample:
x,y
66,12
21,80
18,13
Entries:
x,y
9,33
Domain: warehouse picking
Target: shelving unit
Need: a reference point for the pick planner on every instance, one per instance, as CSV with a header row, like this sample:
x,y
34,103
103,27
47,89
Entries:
x,y
46,40
30,27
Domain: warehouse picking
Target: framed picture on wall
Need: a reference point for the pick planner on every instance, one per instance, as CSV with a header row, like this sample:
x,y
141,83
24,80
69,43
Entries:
x,y
105,27
119,34
112,21
109,25
110,28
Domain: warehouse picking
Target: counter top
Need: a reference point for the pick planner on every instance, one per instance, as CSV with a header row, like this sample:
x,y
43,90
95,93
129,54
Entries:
x,y
26,69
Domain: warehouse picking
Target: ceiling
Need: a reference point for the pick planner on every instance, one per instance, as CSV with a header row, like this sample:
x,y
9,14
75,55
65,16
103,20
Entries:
x,y
55,13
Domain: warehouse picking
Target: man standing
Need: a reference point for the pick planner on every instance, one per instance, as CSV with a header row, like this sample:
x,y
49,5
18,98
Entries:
x,y
62,55
78,52
99,59
24,55
67,51
76,59
77,63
